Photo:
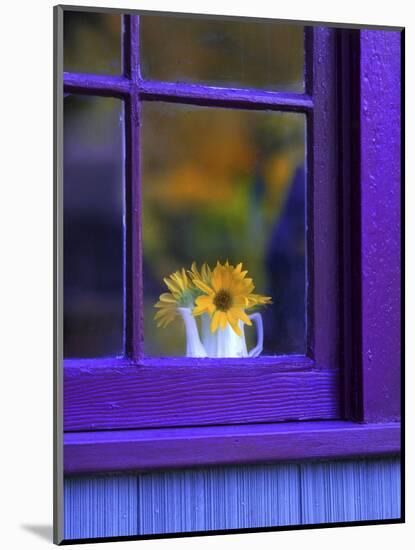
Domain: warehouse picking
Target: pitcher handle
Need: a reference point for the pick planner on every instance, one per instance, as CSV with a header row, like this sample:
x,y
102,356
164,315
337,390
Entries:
x,y
257,318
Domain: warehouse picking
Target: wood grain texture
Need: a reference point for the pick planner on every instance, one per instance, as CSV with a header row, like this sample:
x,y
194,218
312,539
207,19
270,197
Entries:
x,y
219,499
381,223
350,491
133,299
157,396
101,507
322,203
150,449
232,498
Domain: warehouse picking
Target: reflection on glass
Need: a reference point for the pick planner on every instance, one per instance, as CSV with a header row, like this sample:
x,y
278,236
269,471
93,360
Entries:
x,y
252,54
224,184
92,42
93,230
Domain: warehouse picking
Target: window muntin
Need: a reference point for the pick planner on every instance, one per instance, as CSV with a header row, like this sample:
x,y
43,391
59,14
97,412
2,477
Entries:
x,y
92,42
93,227
246,54
222,184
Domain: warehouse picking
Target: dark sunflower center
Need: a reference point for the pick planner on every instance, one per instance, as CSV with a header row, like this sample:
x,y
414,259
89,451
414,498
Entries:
x,y
223,300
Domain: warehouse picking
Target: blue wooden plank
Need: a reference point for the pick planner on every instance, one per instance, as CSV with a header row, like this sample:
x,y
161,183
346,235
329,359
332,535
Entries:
x,y
254,496
171,501
219,498
379,487
232,497
100,506
350,490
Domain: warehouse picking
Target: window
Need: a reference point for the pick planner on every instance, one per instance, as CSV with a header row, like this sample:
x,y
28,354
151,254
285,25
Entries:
x,y
133,402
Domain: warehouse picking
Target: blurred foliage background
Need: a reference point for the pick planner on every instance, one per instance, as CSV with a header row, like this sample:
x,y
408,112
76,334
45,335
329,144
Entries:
x,y
220,52
216,183
92,42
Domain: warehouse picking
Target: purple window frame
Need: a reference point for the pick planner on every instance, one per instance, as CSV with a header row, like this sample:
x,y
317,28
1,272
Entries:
x,y
139,413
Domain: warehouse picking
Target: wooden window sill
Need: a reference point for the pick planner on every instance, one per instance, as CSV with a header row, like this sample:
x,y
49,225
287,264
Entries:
x,y
149,449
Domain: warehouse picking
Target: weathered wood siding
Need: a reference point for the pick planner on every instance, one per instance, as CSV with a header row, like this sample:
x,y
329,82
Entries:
x,y
232,497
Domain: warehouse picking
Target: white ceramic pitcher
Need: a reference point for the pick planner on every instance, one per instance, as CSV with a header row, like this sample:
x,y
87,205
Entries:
x,y
222,343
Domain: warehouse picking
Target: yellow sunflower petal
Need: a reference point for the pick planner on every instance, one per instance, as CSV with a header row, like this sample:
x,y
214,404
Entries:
x,y
171,285
203,275
206,273
258,299
167,297
204,304
177,283
205,301
233,321
223,320
202,286
215,321
227,279
199,310
217,278
162,313
233,315
244,317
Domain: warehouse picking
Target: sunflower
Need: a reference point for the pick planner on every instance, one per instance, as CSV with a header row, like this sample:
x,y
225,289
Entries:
x,y
182,294
226,297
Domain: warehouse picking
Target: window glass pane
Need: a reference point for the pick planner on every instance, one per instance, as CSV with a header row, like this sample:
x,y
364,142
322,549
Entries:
x,y
92,42
225,184
93,227
250,54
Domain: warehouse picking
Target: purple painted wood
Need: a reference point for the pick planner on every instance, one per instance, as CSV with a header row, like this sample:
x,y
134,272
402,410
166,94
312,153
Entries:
x,y
224,97
281,363
184,93
100,85
134,311
322,202
182,447
131,48
161,393
380,223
